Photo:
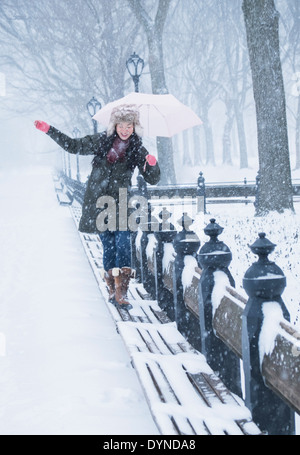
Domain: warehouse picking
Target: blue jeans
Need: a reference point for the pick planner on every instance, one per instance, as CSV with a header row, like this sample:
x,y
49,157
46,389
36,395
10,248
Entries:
x,y
116,249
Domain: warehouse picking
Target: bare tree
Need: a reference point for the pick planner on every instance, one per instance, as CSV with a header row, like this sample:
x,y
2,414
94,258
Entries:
x,y
193,64
236,74
153,27
208,65
291,26
63,53
261,20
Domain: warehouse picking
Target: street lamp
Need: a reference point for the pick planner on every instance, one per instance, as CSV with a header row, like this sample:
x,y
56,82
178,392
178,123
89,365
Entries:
x,y
93,106
135,66
76,133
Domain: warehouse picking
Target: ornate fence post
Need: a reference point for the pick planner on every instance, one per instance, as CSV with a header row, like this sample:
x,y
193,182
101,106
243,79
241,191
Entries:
x,y
201,196
215,256
135,263
185,243
264,282
147,278
139,265
165,234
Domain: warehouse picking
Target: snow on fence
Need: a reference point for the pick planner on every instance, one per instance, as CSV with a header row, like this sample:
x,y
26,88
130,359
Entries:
x,y
194,286
193,198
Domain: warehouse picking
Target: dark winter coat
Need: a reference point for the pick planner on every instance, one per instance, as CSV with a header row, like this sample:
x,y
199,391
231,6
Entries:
x,y
106,178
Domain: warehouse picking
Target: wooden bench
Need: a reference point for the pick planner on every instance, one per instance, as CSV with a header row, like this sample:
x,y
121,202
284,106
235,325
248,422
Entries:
x,y
183,393
63,196
280,367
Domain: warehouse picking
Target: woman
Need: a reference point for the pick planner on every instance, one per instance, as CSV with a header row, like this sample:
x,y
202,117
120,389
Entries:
x,y
118,151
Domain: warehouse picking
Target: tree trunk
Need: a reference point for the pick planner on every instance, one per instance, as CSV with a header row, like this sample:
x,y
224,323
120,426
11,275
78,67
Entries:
x,y
232,59
261,20
297,132
209,140
227,134
154,31
197,146
241,135
159,87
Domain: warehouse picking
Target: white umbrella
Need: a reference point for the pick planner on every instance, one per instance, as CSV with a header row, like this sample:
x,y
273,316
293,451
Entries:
x,y
160,115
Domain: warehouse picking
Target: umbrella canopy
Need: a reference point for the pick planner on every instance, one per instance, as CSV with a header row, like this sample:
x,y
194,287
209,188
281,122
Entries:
x,y
160,115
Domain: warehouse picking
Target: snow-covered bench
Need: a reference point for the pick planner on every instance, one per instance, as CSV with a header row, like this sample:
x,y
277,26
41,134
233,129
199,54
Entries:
x,y
64,198
219,335
63,195
185,396
280,342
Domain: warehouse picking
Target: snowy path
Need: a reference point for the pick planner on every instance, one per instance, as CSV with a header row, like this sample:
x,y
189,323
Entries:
x,y
64,369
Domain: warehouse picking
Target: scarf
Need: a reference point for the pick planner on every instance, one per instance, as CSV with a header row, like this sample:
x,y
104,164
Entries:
x,y
117,151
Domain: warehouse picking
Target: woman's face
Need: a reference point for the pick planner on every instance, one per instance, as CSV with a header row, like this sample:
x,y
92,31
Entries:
x,y
124,130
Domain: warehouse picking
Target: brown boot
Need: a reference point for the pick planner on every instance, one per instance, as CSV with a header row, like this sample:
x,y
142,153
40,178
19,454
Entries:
x,y
110,282
122,277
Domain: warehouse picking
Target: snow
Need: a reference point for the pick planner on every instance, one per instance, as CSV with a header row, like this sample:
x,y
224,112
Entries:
x,y
190,263
271,327
151,245
168,256
241,229
63,367
217,417
219,290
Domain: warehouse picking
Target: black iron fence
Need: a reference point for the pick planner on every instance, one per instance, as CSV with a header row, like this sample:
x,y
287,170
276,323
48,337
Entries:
x,y
227,328
224,325
245,192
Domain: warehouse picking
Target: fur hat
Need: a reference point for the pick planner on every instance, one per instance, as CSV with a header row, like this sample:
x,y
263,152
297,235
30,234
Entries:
x,y
125,113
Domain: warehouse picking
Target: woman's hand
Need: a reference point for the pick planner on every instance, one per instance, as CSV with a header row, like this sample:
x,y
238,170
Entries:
x,y
151,160
43,126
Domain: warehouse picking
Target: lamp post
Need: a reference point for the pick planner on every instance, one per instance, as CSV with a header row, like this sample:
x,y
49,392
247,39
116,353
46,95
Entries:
x,y
93,106
135,66
76,133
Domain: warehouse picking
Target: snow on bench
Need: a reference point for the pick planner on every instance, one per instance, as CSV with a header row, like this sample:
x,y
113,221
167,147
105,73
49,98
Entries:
x,y
280,361
184,394
64,197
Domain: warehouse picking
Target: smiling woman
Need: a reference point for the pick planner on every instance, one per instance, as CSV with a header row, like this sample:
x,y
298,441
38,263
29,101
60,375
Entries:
x,y
118,151
124,130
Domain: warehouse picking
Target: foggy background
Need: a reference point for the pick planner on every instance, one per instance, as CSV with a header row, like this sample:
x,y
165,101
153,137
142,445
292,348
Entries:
x,y
56,55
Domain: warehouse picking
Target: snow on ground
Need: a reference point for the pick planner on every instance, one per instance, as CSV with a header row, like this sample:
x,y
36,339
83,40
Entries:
x,y
241,229
63,367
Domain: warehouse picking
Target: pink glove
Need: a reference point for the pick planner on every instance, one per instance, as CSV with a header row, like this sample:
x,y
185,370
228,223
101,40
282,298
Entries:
x,y
151,160
43,126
